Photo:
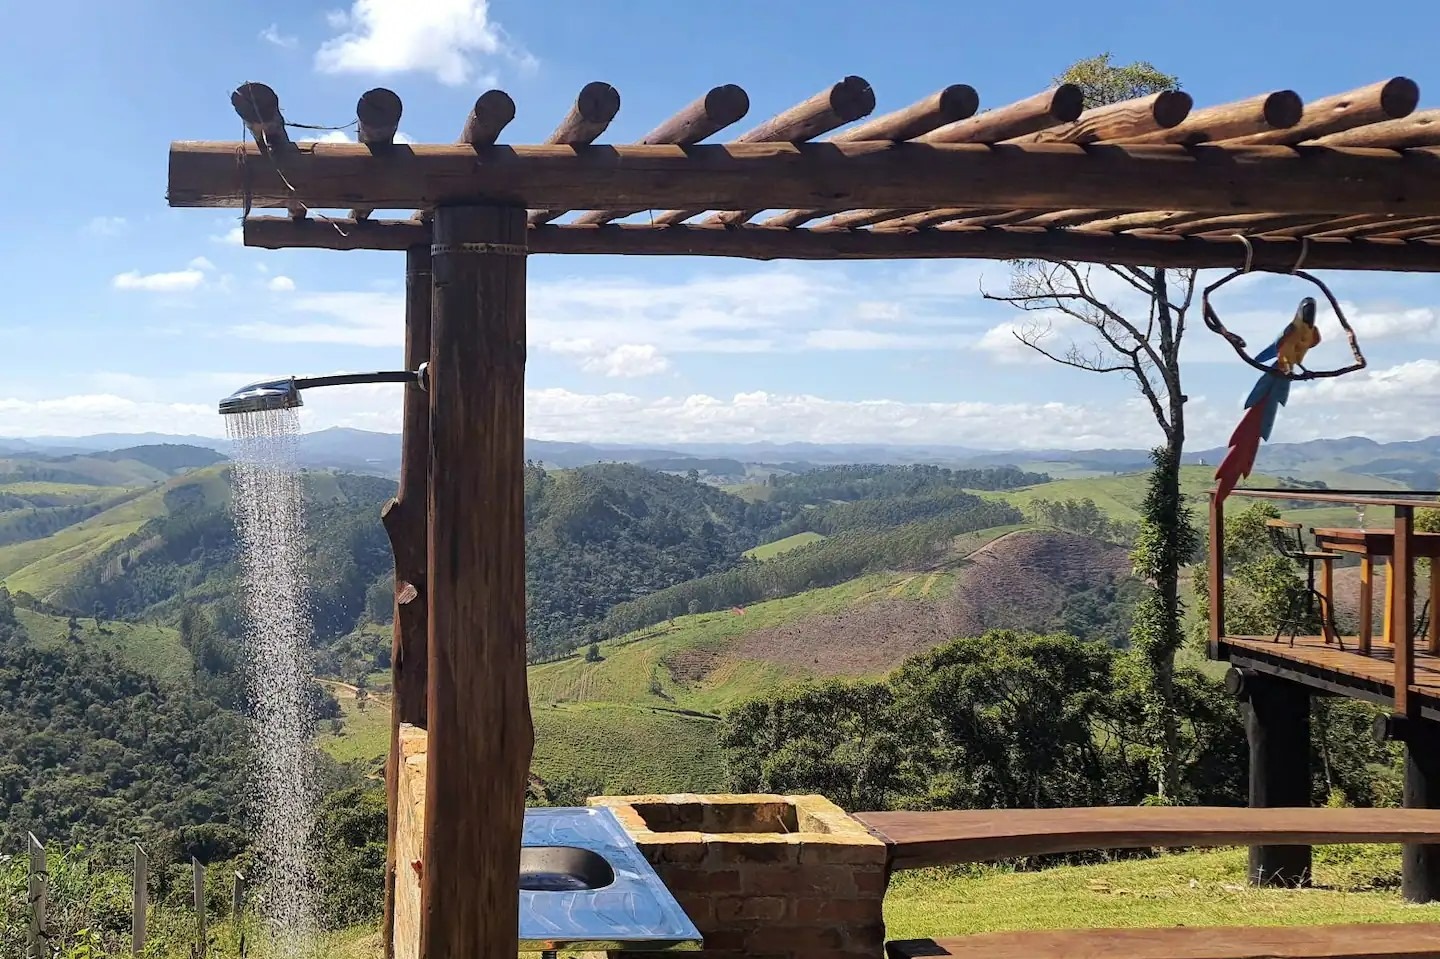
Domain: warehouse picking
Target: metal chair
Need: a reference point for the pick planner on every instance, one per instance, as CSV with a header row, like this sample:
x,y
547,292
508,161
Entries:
x,y
1300,609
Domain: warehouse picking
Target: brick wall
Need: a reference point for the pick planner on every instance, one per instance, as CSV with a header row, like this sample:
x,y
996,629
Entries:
x,y
409,840
765,876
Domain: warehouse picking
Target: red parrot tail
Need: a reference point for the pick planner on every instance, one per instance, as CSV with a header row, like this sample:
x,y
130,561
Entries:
x,y
1244,444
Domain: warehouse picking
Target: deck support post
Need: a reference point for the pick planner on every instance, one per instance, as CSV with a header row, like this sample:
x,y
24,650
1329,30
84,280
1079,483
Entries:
x,y
405,519
479,727
1277,724
1419,862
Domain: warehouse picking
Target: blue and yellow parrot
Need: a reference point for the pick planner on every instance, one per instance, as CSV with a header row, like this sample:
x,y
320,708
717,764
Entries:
x,y
1266,398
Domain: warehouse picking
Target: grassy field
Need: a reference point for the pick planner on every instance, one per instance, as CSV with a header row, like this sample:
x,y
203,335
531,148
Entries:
x,y
771,550
1119,496
41,566
627,748
364,734
146,647
1191,889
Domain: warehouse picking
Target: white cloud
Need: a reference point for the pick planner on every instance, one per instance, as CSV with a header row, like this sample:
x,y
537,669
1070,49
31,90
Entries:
x,y
456,41
877,311
200,263
1397,324
327,136
833,339
628,360
174,282
105,226
82,414
280,284
235,236
402,137
272,35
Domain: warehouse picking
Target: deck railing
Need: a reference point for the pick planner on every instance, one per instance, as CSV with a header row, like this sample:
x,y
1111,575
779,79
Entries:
x,y
1402,571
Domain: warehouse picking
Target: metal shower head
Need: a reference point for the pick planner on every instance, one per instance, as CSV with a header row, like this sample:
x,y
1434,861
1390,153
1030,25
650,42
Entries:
x,y
285,394
257,397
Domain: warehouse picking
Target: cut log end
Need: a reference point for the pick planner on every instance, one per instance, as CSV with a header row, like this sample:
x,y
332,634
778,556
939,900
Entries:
x,y
1171,107
852,98
1283,109
1399,97
378,112
726,104
959,101
493,111
598,102
406,593
256,103
1067,101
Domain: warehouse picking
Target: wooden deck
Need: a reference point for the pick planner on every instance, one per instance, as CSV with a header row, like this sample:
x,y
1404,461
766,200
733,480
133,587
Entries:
x,y
919,839
1420,940
1326,667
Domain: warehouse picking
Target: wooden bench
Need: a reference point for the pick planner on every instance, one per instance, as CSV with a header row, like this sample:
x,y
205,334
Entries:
x,y
1419,940
919,839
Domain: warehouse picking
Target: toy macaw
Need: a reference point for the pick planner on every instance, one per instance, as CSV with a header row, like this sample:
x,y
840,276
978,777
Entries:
x,y
1268,395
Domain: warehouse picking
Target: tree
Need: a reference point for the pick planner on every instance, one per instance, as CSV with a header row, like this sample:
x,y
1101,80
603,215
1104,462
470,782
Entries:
x,y
1131,321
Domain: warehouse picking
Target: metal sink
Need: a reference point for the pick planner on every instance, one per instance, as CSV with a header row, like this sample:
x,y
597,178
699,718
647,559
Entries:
x,y
563,868
584,885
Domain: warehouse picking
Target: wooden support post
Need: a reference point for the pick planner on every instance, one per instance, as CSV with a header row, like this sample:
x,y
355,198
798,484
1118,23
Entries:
x,y
405,519
37,899
1327,601
1432,643
1420,862
1367,603
1402,598
237,897
139,902
1277,724
480,732
1217,574
197,870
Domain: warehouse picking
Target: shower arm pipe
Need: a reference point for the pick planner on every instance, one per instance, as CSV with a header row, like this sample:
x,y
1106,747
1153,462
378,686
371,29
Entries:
x,y
349,379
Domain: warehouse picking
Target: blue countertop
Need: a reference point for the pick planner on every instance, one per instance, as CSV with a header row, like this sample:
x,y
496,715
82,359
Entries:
x,y
635,912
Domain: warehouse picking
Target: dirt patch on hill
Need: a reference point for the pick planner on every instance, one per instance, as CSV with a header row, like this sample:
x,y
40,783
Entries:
x,y
1019,581
691,665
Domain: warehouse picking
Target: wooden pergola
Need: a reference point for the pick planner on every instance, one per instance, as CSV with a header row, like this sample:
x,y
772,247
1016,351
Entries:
x,y
1344,182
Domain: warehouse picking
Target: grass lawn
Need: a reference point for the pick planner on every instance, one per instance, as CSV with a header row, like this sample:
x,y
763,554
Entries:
x,y
146,647
1192,889
628,749
364,733
770,550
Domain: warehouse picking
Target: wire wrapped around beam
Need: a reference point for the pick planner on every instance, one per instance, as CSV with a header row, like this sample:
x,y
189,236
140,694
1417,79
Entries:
x,y
1237,343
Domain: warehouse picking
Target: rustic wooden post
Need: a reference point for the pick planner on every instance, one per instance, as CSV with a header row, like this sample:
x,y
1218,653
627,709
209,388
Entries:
x,y
405,519
1420,862
139,901
39,873
480,733
1277,724
1402,608
198,872
1217,574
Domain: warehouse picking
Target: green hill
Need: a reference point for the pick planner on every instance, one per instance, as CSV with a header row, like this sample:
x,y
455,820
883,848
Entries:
x,y
145,647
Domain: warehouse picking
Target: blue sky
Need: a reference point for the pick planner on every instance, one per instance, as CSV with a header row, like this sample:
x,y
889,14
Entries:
x,y
122,314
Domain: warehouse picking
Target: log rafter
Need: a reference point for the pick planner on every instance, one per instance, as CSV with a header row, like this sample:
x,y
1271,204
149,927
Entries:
x,y
1353,174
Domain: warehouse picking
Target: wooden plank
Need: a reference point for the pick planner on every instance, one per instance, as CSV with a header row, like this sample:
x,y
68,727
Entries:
x,y
139,901
1387,100
1216,574
1277,110
36,897
907,176
921,839
480,736
1419,940
766,243
1367,603
1402,571
405,518
197,873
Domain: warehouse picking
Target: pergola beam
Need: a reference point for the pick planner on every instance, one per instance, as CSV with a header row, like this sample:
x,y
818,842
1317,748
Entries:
x,y
907,176
769,243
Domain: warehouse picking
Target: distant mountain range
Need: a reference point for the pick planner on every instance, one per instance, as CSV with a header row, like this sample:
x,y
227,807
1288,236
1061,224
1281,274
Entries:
x,y
1346,460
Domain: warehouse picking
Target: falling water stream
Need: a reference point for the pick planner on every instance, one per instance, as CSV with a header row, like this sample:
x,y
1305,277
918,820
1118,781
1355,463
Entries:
x,y
269,519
